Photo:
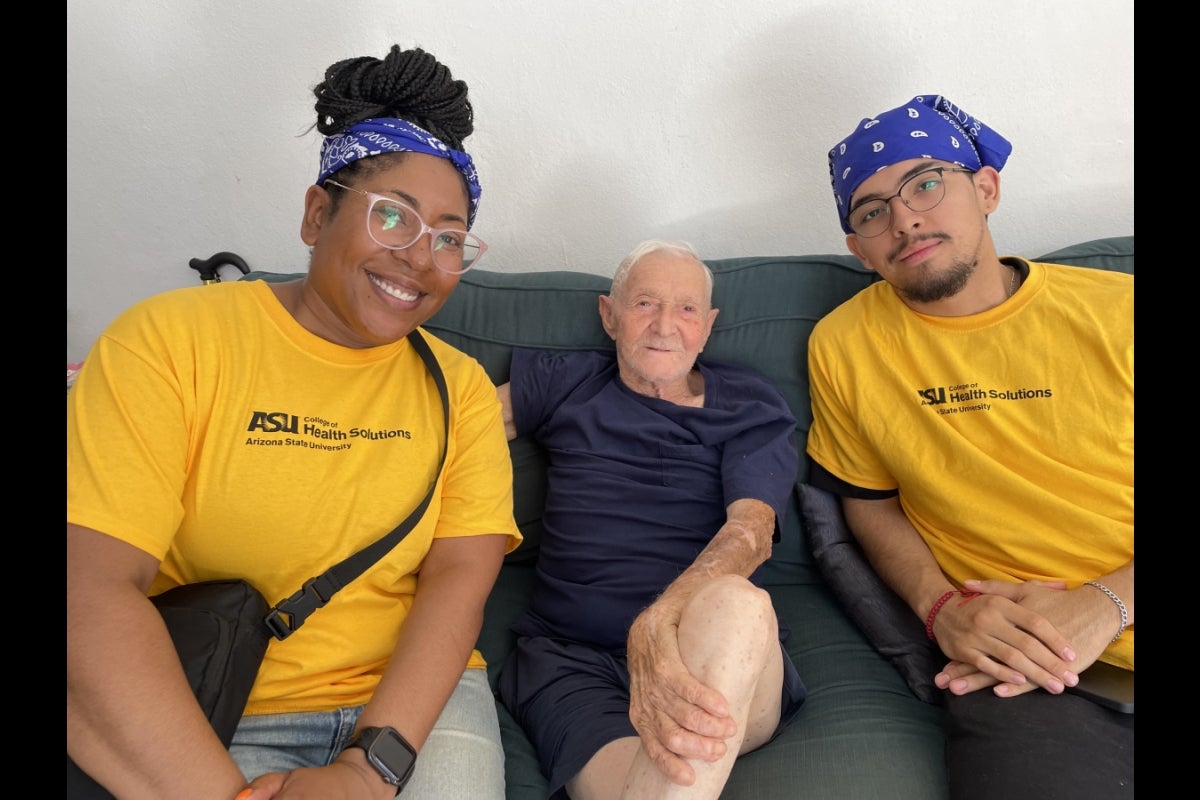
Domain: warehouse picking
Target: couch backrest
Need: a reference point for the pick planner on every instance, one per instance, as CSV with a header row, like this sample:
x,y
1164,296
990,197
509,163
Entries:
x,y
768,308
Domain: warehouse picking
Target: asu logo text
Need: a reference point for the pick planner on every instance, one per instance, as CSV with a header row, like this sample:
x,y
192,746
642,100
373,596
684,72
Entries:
x,y
274,422
932,397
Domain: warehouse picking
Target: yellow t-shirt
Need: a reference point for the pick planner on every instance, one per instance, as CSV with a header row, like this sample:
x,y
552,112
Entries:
x,y
1009,433
211,430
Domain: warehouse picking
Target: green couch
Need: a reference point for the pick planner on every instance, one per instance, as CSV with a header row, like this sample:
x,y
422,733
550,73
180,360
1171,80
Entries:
x,y
862,732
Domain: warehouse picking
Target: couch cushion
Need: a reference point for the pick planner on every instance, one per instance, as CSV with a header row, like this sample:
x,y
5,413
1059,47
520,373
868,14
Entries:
x,y
886,620
491,312
1113,253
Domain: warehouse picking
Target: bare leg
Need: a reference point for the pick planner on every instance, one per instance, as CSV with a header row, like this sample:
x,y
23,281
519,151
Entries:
x,y
729,639
604,775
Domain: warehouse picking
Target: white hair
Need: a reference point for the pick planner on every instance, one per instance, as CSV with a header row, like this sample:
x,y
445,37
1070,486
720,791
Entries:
x,y
649,246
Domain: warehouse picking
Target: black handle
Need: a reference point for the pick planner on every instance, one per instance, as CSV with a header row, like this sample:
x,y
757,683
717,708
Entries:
x,y
207,267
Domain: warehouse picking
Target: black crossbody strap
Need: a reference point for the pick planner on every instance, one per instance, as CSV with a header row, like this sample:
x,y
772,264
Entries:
x,y
290,614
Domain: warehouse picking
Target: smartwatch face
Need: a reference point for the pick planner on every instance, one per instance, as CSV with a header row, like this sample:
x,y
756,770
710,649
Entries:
x,y
394,753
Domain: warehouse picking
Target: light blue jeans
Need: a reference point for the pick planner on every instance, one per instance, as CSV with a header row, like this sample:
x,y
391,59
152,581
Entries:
x,y
462,757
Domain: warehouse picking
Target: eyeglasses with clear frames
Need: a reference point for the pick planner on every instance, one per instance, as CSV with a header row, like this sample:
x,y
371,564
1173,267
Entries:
x,y
397,226
921,192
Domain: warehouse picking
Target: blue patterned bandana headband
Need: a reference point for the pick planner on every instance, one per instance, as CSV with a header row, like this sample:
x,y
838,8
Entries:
x,y
378,135
928,126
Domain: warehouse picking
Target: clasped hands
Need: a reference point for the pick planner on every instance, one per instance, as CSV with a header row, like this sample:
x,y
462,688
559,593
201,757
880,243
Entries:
x,y
1017,637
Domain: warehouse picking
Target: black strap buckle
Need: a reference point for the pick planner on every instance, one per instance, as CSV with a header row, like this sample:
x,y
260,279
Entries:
x,y
288,615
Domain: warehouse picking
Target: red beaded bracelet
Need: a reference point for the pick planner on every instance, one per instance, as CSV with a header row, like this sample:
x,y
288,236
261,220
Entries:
x,y
941,601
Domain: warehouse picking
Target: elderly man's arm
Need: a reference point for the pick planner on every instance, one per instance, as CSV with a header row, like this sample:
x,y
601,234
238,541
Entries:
x,y
676,715
504,392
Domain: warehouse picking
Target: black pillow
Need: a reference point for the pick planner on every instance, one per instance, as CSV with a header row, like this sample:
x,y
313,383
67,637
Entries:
x,y
886,620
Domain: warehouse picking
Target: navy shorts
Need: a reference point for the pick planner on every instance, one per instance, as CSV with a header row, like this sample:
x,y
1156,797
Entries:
x,y
572,699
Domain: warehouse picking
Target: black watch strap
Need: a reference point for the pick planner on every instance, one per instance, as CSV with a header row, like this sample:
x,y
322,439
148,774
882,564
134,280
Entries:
x,y
388,752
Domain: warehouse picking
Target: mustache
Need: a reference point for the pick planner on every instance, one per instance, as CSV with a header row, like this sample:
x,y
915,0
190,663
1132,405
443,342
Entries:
x,y
910,241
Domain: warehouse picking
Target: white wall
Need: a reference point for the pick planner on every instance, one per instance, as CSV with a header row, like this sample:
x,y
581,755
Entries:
x,y
598,124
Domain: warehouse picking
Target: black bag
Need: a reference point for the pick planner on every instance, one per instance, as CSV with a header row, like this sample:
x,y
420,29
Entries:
x,y
220,633
221,628
218,630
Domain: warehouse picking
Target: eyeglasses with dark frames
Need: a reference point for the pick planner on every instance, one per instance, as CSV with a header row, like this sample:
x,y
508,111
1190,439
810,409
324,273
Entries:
x,y
921,192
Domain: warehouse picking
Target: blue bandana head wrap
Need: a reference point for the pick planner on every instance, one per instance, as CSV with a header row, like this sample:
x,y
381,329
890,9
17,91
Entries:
x,y
928,126
372,137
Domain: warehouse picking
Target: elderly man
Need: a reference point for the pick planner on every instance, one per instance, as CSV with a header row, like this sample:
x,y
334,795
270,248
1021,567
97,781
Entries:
x,y
649,660
975,414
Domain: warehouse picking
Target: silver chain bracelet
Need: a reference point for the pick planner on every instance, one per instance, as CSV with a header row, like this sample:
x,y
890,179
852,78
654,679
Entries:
x,y
1120,606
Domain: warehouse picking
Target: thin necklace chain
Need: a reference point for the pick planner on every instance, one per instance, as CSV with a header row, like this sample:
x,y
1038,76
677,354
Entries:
x,y
1012,284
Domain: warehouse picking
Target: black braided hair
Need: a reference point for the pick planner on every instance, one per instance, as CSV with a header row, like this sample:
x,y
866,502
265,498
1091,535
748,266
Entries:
x,y
407,84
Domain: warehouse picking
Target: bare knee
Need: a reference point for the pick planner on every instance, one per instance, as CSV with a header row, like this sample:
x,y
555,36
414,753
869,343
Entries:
x,y
729,640
727,619
729,601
